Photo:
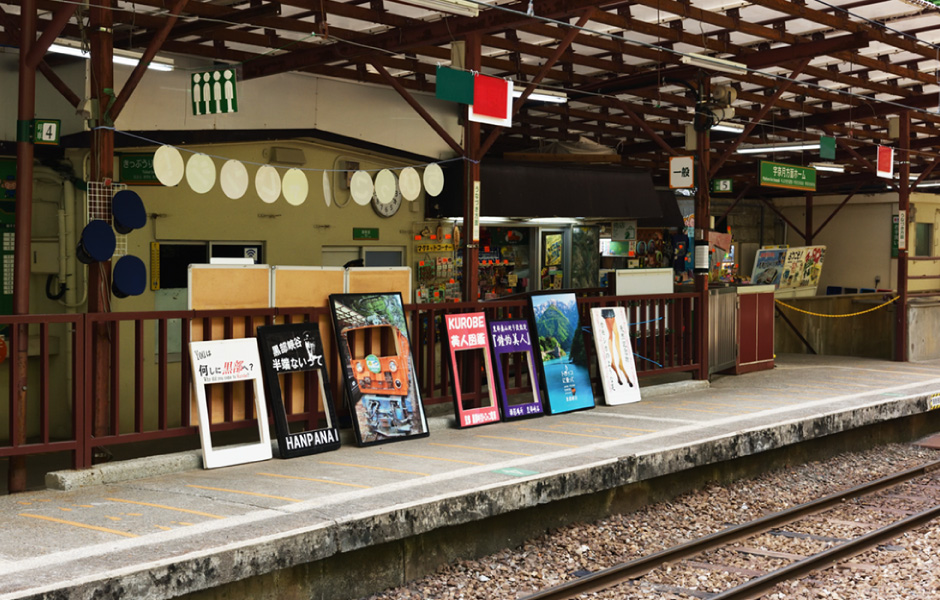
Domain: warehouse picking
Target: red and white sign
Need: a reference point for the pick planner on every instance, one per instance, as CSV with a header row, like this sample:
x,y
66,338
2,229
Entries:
x,y
492,101
467,331
885,167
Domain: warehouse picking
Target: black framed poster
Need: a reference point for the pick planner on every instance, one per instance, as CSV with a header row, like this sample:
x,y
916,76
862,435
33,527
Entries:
x,y
378,369
288,349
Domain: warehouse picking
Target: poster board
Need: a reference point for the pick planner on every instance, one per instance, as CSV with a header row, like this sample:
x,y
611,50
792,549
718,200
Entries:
x,y
227,287
802,268
467,332
768,266
562,354
229,361
378,368
363,280
295,349
611,327
513,337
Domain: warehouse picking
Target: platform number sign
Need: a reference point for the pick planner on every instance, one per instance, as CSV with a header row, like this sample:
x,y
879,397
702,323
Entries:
x,y
46,131
721,185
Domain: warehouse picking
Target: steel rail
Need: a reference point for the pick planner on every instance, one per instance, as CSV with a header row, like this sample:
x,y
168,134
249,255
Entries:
x,y
621,573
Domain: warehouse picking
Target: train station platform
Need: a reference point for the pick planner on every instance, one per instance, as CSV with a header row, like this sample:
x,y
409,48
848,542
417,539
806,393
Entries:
x,y
271,529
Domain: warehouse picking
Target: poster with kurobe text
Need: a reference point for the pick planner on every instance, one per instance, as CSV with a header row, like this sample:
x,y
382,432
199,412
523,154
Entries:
x,y
467,340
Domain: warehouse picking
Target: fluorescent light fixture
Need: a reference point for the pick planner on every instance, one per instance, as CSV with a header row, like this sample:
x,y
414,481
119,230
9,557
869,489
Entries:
x,y
777,147
929,184
833,167
118,59
541,95
454,7
729,128
715,64
554,221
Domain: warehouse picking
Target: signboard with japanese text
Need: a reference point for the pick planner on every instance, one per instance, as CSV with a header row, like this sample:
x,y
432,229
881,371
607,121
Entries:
x,y
512,341
623,231
228,362
802,267
467,332
137,169
563,357
611,328
378,368
768,266
291,356
790,177
681,172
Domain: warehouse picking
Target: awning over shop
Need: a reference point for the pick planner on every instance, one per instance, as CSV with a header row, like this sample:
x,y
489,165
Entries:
x,y
671,215
552,190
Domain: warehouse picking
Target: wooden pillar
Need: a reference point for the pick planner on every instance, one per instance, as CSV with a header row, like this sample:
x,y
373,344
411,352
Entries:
x,y
904,204
102,170
471,255
23,225
702,225
808,229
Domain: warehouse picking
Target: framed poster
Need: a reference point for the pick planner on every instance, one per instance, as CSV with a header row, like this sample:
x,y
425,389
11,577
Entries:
x,y
617,370
378,369
562,355
289,349
768,266
466,332
513,338
229,361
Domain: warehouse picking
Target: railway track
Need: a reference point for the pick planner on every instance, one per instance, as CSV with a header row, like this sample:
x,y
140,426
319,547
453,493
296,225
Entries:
x,y
866,503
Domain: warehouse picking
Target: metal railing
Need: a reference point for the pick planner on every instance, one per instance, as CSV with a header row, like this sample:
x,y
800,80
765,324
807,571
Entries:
x,y
101,380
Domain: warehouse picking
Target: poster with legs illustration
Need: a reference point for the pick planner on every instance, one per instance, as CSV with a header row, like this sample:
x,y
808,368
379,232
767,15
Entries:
x,y
563,356
378,369
615,355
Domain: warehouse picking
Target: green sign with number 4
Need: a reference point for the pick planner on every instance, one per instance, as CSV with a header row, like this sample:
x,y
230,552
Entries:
x,y
46,131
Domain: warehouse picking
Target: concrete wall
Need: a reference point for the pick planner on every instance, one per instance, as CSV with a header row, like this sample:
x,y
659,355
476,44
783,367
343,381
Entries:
x,y
923,323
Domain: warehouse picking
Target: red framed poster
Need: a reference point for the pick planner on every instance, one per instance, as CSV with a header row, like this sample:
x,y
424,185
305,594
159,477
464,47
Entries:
x,y
467,332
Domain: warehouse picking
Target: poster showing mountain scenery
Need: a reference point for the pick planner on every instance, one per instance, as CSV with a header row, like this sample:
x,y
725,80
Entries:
x,y
563,356
768,266
611,328
378,368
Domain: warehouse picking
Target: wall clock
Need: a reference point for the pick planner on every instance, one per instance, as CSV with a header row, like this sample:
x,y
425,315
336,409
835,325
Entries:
x,y
387,209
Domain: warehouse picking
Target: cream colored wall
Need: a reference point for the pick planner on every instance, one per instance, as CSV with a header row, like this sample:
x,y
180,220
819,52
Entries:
x,y
858,238
292,235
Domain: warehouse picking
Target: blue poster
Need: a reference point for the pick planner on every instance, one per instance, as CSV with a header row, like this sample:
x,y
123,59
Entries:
x,y
563,356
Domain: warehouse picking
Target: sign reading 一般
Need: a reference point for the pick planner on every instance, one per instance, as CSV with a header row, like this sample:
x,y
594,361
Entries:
x,y
681,172
791,177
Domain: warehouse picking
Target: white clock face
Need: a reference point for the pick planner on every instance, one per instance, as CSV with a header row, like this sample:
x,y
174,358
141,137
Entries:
x,y
387,209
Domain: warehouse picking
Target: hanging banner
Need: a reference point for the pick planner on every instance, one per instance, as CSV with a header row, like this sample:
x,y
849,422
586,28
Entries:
x,y
492,101
466,332
885,166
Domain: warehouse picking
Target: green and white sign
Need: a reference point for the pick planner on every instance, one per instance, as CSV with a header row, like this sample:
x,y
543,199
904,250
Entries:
x,y
46,131
721,185
214,92
791,177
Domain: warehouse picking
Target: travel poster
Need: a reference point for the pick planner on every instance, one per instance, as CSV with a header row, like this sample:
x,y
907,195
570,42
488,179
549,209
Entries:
x,y
226,362
768,266
563,356
466,332
289,349
378,369
617,370
512,337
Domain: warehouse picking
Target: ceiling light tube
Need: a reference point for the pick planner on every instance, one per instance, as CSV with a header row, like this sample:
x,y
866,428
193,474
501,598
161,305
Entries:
x,y
715,64
728,128
454,7
116,58
929,184
823,166
777,147
542,95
